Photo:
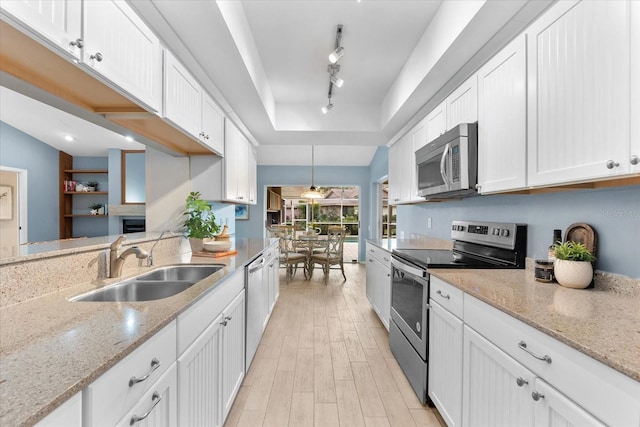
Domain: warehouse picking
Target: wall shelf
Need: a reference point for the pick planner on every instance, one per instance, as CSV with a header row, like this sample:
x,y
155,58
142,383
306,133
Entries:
x,y
84,215
85,193
91,171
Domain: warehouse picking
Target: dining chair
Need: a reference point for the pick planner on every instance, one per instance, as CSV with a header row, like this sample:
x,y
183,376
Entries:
x,y
333,254
290,258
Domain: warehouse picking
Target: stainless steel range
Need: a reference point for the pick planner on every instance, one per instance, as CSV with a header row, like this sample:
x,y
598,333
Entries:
x,y
476,244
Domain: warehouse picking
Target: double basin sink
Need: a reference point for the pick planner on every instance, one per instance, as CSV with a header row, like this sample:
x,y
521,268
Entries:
x,y
160,283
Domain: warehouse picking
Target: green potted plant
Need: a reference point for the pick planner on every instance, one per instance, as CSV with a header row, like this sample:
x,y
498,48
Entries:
x,y
572,267
93,185
200,222
96,208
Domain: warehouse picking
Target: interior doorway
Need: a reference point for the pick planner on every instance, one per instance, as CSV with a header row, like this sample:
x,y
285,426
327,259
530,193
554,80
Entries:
x,y
13,210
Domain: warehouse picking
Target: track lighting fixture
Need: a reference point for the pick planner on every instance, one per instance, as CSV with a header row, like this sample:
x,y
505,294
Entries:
x,y
333,69
336,80
336,54
327,107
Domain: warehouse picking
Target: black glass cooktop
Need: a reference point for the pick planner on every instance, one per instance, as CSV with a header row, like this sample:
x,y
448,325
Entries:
x,y
440,258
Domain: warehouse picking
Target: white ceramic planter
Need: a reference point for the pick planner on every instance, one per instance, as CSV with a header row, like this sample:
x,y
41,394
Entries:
x,y
197,245
573,274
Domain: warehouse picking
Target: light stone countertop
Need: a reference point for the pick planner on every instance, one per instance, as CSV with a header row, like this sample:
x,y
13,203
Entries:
x,y
51,348
603,322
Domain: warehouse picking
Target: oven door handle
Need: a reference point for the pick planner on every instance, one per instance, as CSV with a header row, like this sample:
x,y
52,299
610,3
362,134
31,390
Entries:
x,y
407,268
443,170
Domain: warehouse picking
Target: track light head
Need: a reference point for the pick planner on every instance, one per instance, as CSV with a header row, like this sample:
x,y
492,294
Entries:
x,y
336,54
326,108
337,81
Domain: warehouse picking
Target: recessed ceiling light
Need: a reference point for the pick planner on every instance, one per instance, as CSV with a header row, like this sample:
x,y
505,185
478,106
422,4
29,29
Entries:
x,y
68,138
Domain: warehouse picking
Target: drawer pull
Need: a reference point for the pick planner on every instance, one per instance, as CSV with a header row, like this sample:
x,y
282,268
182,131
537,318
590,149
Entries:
x,y
523,346
439,292
537,396
521,381
156,398
155,364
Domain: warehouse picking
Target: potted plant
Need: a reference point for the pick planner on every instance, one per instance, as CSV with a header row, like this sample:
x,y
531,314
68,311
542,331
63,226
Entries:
x,y
200,222
572,267
92,185
96,208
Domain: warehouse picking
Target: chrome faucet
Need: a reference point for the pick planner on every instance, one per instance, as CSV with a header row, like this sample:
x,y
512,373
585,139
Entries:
x,y
150,257
117,260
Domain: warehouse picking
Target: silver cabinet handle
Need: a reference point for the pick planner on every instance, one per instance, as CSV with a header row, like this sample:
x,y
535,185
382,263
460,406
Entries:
x,y
537,396
523,346
224,322
521,381
240,197
611,164
439,292
96,57
206,137
370,260
79,43
634,160
155,364
228,317
386,259
155,398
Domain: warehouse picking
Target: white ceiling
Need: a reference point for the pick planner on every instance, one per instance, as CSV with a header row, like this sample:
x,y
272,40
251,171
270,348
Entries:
x,y
265,63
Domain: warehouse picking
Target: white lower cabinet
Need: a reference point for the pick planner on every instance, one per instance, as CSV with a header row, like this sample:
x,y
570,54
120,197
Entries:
x,y
553,409
211,369
69,414
272,275
158,407
445,363
378,282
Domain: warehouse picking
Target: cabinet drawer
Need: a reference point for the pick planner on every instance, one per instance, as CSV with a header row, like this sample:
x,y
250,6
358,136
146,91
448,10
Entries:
x,y
109,397
609,395
383,256
449,297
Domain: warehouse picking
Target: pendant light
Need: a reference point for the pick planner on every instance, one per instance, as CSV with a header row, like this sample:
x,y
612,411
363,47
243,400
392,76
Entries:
x,y
312,192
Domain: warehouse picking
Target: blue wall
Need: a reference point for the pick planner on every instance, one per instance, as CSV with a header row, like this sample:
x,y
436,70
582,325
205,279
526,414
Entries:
x,y
19,150
90,226
613,213
300,175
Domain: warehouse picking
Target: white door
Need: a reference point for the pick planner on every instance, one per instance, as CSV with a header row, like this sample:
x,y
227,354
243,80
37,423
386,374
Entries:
x,y
578,109
436,122
462,104
58,21
553,409
199,378
212,125
182,97
634,155
502,120
158,407
120,47
233,336
13,210
496,389
445,363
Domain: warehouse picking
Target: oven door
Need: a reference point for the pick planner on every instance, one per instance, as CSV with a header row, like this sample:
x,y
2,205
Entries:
x,y
409,303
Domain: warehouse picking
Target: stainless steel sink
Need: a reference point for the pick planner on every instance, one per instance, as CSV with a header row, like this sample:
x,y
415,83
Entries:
x,y
161,283
191,273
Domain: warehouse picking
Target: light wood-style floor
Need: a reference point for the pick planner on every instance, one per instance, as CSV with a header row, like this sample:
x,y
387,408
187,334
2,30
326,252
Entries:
x,y
324,360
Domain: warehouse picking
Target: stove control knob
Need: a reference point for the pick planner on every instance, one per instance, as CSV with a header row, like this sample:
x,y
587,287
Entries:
x,y
495,232
504,232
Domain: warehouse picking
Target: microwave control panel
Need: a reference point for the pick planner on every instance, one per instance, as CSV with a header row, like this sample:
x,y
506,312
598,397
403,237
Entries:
x,y
455,163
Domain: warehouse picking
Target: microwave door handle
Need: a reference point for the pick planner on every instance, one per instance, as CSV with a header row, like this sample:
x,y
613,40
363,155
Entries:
x,y
443,160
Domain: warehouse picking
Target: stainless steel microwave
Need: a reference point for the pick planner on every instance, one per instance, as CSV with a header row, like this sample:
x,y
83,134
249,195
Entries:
x,y
448,165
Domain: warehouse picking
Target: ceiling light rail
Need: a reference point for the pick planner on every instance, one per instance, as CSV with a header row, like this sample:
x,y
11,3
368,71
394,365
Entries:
x,y
333,68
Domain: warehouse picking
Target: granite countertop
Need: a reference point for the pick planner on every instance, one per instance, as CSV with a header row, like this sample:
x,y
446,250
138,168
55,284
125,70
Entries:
x,y
603,322
50,348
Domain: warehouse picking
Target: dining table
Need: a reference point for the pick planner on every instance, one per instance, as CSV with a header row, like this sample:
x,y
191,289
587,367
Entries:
x,y
308,244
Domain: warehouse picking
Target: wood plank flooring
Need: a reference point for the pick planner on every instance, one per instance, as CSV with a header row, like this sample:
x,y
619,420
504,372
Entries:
x,y
324,360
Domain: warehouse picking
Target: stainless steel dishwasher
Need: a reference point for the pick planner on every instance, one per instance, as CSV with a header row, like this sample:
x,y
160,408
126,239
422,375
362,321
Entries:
x,y
257,307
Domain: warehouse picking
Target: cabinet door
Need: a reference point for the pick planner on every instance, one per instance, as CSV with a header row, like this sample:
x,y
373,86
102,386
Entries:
x,y
395,169
384,293
371,283
462,104
502,126
578,74
445,363
492,394
419,134
233,334
274,280
553,409
158,407
212,125
634,155
252,166
58,21
233,140
199,377
69,414
408,184
436,122
182,97
130,54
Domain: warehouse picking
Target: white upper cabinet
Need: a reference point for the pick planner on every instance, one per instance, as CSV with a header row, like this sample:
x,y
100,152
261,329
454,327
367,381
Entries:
x,y
188,107
419,135
402,164
182,96
437,122
58,21
462,104
634,154
395,167
579,97
121,48
502,125
253,174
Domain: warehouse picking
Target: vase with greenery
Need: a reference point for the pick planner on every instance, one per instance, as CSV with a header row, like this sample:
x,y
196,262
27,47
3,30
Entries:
x,y
95,208
572,267
200,222
93,185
